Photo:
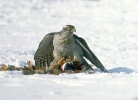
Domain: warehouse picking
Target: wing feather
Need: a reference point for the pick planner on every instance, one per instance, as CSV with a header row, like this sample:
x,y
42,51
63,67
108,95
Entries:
x,y
44,54
89,54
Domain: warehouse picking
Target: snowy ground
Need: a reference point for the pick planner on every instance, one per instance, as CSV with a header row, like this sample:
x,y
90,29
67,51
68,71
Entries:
x,y
109,26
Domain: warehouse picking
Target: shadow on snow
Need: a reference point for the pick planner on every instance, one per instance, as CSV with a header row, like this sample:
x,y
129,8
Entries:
x,y
121,69
118,70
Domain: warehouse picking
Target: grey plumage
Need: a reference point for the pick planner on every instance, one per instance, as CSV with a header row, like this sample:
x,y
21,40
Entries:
x,y
64,43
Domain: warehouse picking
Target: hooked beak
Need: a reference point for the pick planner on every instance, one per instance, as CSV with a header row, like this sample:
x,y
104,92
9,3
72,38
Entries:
x,y
73,30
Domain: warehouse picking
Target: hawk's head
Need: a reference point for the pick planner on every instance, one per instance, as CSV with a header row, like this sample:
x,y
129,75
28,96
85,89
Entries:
x,y
67,31
69,28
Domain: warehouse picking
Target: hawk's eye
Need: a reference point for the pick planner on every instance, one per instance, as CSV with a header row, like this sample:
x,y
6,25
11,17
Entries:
x,y
69,28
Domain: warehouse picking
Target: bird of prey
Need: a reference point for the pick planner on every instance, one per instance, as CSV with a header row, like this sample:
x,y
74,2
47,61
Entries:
x,y
64,43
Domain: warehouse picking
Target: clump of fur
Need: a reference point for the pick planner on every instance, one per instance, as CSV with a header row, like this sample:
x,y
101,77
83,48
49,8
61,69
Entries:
x,y
9,67
41,70
56,68
3,68
27,71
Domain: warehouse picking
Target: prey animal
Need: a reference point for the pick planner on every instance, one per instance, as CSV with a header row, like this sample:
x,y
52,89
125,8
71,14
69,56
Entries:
x,y
64,43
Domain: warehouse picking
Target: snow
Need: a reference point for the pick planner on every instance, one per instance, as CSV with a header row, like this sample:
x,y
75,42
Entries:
x,y
109,27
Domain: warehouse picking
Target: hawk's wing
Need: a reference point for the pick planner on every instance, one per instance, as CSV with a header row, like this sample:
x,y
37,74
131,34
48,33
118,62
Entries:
x,y
44,54
89,54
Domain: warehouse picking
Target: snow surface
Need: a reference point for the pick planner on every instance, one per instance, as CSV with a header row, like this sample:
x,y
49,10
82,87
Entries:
x,y
109,26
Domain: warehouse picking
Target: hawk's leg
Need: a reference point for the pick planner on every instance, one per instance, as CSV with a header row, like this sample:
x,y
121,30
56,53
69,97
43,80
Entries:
x,y
83,63
87,68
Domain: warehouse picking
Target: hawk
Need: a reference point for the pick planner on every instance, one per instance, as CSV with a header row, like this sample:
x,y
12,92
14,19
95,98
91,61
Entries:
x,y
64,43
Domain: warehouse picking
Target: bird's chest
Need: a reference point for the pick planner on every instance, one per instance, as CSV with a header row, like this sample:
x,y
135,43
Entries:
x,y
63,49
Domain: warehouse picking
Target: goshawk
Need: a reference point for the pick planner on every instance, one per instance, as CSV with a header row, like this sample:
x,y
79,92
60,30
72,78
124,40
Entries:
x,y
64,43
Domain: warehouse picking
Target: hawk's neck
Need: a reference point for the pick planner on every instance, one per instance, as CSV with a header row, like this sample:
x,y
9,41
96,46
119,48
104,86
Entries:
x,y
60,39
